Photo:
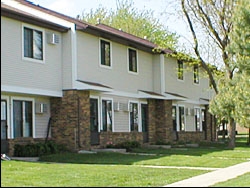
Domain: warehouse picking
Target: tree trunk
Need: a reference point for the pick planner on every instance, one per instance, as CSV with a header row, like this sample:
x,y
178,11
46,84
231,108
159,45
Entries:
x,y
231,133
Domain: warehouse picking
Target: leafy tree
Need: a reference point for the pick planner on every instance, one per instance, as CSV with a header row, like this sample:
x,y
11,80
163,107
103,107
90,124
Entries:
x,y
214,19
131,20
233,101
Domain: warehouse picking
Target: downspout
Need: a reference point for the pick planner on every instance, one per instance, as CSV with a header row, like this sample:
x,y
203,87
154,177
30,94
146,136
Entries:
x,y
78,122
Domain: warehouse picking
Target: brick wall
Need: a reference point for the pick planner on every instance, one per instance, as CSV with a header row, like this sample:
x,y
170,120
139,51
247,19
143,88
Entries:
x,y
160,121
118,137
70,119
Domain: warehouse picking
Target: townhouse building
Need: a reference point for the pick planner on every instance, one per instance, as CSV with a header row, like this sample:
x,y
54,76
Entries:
x,y
85,85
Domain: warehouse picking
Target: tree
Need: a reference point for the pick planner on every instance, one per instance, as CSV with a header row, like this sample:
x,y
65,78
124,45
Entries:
x,y
130,20
214,18
236,103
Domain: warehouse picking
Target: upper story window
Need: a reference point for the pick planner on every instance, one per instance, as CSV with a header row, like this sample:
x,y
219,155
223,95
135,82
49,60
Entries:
x,y
196,74
32,43
105,53
180,72
133,66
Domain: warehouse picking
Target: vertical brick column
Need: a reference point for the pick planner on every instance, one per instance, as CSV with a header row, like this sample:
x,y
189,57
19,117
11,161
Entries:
x,y
70,119
210,125
160,121
151,121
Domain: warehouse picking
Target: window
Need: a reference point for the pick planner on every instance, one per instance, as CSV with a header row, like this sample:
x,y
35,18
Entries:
x,y
196,74
133,117
197,118
132,60
3,120
144,117
181,118
174,117
105,53
33,43
22,118
180,70
94,115
107,119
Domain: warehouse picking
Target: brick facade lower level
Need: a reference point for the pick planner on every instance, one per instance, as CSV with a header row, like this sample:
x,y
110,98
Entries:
x,y
70,125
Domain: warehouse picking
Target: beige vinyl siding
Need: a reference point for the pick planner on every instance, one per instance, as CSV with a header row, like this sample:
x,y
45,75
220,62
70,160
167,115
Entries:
x,y
186,87
121,118
67,60
117,76
28,74
156,74
42,120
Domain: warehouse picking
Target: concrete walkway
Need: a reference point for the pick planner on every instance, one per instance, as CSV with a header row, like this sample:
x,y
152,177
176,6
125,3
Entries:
x,y
211,178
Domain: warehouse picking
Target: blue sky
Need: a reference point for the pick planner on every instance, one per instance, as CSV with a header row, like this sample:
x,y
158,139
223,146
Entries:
x,y
74,7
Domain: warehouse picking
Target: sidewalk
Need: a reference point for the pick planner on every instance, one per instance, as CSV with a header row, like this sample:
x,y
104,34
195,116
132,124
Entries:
x,y
213,177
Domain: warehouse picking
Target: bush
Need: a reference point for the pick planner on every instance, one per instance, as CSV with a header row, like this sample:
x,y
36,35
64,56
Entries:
x,y
37,149
128,145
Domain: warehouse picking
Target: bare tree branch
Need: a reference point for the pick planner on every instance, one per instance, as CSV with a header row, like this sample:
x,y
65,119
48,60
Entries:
x,y
203,63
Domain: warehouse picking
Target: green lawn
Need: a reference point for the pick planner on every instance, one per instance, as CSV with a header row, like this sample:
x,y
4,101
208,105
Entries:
x,y
123,170
241,181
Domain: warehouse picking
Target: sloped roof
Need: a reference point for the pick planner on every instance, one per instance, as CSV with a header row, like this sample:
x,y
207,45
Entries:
x,y
17,14
100,30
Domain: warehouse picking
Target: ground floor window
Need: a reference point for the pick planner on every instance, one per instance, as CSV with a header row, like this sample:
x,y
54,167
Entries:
x,y
178,117
3,119
182,118
134,124
174,117
197,119
107,117
22,118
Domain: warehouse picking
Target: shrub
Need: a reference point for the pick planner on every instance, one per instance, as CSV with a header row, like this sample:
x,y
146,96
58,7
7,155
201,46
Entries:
x,y
128,145
37,149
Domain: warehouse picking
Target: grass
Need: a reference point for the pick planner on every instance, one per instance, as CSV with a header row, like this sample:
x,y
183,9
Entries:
x,y
241,181
27,174
124,170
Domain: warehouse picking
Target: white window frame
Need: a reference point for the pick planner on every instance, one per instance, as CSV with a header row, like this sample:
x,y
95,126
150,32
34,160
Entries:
x,y
198,107
176,111
178,116
33,114
98,106
7,99
198,83
43,35
139,116
180,80
100,56
137,54
113,123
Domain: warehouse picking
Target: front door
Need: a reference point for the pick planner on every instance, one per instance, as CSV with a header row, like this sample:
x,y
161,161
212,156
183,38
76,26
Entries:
x,y
4,127
144,120
94,135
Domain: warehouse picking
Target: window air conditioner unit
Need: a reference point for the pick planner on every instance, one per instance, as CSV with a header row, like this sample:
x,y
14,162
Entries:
x,y
118,106
41,108
52,38
189,111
